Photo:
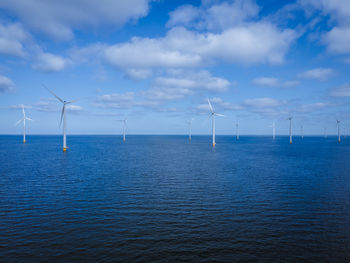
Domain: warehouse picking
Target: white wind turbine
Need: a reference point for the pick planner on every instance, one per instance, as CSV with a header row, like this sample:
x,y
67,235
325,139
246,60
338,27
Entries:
x,y
237,131
63,116
24,123
124,128
338,125
273,130
302,131
190,129
290,129
213,114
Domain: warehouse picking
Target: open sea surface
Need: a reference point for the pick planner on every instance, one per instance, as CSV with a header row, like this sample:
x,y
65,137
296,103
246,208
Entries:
x,y
162,199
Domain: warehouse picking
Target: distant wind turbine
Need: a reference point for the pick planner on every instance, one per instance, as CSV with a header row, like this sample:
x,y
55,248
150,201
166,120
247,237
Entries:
x,y
190,129
237,131
273,126
302,131
63,117
290,129
213,114
124,128
338,124
24,123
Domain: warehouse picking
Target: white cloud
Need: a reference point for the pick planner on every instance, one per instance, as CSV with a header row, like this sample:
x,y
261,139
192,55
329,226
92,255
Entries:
x,y
274,82
338,37
6,84
305,108
11,38
338,9
338,40
60,18
145,53
48,62
266,81
214,17
180,83
341,91
139,73
262,103
317,73
116,100
253,43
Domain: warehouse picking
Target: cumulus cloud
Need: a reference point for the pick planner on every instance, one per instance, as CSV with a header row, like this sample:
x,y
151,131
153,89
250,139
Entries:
x,y
214,17
306,108
338,40
262,103
116,100
6,84
274,82
341,91
11,39
60,18
48,62
338,37
317,73
253,43
179,84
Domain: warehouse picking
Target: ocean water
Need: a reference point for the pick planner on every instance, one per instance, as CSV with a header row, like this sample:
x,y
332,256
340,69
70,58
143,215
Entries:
x,y
161,199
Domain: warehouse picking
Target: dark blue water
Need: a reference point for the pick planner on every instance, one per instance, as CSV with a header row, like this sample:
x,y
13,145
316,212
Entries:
x,y
161,199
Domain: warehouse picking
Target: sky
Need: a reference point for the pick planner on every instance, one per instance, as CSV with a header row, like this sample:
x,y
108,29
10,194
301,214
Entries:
x,y
156,63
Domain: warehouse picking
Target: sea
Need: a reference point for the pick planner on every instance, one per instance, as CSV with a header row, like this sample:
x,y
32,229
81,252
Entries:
x,y
165,199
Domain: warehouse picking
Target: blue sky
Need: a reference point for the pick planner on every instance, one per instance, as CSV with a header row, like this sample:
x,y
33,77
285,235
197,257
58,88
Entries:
x,y
156,63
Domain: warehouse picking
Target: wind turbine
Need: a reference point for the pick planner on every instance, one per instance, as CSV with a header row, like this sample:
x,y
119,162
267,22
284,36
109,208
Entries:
x,y
124,128
338,124
302,131
273,130
24,123
63,116
190,129
237,131
213,114
290,129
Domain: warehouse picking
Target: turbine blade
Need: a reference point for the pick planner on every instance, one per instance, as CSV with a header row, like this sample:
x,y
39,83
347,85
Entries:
x,y
63,108
19,122
211,107
220,115
72,101
29,119
53,94
24,114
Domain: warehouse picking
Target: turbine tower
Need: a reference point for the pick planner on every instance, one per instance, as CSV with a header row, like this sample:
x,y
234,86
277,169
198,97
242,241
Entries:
x,y
290,129
63,117
302,131
24,123
237,131
213,114
273,130
338,124
124,128
190,130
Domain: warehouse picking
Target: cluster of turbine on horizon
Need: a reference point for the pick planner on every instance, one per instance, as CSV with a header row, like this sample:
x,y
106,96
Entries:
x,y
213,114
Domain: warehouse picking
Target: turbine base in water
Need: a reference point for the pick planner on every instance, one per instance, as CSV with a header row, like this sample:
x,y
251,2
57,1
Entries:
x,y
214,144
64,149
24,141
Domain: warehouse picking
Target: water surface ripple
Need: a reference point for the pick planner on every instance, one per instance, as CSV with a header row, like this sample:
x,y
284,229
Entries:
x,y
161,199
